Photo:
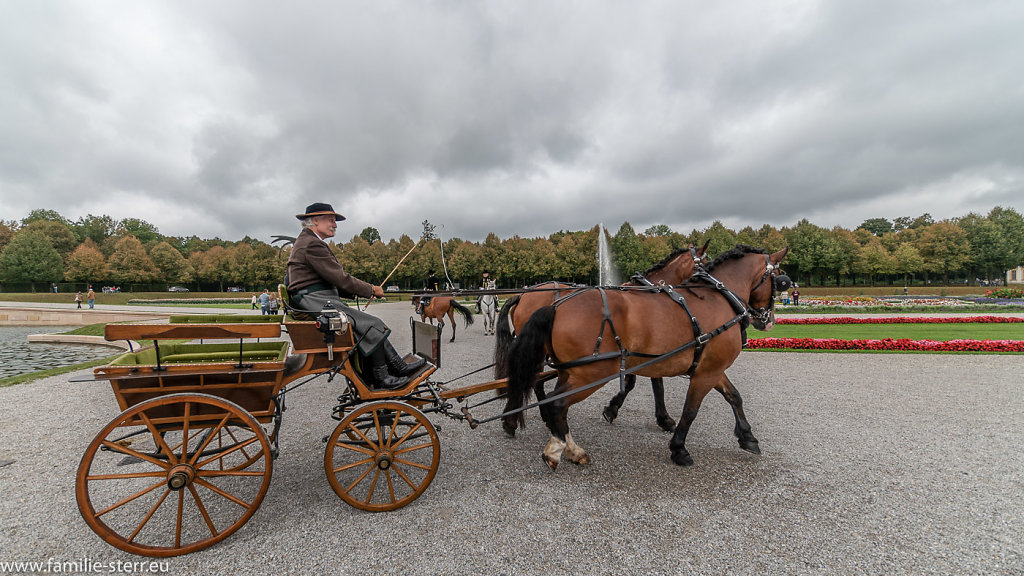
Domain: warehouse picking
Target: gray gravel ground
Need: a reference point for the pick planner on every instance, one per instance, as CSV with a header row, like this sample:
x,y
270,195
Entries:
x,y
872,464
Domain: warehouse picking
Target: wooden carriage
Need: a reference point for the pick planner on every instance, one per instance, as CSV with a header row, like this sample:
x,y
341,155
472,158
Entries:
x,y
189,459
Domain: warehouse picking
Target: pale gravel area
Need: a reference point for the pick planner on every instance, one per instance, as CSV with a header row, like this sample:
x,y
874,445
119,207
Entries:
x,y
905,464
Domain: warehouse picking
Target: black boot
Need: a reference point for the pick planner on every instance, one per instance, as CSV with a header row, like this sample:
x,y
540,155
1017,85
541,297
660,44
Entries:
x,y
397,365
381,380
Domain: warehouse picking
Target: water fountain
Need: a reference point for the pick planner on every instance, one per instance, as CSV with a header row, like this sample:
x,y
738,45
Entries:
x,y
606,273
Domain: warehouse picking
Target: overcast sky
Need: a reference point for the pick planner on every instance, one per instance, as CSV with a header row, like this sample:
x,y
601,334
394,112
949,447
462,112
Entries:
x,y
226,118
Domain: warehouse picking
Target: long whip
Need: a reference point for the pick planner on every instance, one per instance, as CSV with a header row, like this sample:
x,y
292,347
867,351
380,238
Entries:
x,y
386,278
443,263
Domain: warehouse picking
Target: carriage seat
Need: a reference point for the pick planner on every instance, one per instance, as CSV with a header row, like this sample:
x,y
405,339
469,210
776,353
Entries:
x,y
290,311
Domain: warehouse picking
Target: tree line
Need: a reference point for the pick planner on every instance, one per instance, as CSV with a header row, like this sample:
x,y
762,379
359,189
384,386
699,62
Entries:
x,y
45,247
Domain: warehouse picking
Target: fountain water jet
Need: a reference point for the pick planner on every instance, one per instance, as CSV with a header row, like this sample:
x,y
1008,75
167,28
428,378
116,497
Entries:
x,y
607,275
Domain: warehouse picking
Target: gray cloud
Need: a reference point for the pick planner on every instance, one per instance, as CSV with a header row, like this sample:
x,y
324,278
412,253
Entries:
x,y
225,119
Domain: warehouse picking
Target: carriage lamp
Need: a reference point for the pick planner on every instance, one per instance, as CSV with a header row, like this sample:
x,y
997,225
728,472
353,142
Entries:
x,y
331,322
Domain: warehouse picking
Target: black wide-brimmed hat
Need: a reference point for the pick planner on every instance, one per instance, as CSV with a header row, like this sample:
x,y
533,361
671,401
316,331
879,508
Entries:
x,y
320,209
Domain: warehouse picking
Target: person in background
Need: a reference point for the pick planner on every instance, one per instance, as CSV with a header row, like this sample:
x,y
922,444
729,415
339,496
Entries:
x,y
274,305
796,294
265,302
91,297
315,278
483,286
431,285
255,300
78,299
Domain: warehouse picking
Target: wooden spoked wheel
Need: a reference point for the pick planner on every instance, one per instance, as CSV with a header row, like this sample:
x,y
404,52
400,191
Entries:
x,y
382,456
166,478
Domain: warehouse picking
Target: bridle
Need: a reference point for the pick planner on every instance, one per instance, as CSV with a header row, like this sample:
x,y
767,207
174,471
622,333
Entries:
x,y
780,282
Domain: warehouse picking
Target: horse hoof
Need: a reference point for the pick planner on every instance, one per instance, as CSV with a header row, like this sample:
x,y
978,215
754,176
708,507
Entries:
x,y
682,458
751,447
609,415
584,461
667,424
553,464
510,431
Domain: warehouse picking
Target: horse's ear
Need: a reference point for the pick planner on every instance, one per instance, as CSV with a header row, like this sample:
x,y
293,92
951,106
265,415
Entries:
x,y
778,256
704,249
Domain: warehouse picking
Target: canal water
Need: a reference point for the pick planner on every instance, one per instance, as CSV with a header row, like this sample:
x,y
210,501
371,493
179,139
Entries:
x,y
18,356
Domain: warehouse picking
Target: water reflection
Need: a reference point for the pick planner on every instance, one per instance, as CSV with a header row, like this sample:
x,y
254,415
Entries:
x,y
18,356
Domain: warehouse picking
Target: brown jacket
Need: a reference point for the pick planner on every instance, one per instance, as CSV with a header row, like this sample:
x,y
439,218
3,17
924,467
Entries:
x,y
311,261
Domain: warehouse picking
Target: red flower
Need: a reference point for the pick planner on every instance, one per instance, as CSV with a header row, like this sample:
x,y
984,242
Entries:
x,y
903,320
888,344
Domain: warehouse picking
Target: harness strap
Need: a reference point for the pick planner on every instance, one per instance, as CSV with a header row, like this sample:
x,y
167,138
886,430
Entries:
x,y
699,337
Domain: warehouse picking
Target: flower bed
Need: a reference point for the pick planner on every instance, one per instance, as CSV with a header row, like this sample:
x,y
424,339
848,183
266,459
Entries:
x,y
868,301
888,344
902,320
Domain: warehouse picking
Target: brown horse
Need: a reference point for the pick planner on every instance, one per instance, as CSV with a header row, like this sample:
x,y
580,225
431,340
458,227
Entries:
x,y
441,306
675,268
656,335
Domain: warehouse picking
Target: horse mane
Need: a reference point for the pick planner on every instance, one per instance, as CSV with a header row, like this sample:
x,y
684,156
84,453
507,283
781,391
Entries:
x,y
664,262
739,251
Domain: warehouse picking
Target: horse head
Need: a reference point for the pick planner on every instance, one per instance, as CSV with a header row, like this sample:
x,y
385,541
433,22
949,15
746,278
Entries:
x,y
771,279
754,276
678,266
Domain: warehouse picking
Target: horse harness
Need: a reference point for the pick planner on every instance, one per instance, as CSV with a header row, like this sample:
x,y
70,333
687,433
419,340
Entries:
x,y
700,338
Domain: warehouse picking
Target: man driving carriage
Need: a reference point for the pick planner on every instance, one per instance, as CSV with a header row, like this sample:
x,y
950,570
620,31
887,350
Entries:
x,y
315,277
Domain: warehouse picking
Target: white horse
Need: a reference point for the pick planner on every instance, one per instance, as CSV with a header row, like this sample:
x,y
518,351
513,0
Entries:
x,y
489,308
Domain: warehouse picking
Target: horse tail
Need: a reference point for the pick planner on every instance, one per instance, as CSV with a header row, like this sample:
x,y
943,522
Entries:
x,y
504,339
467,314
526,359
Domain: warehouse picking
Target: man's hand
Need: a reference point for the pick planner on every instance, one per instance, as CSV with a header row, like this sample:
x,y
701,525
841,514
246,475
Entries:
x,y
378,292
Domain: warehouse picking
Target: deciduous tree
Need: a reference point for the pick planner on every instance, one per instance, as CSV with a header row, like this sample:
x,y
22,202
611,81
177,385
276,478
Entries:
x,y
29,257
171,266
213,265
58,233
130,264
7,232
86,263
944,247
145,232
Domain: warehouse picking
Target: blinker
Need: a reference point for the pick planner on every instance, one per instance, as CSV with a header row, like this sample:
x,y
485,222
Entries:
x,y
782,283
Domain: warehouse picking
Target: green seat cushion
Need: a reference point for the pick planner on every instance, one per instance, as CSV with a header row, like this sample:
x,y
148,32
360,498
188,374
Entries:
x,y
274,351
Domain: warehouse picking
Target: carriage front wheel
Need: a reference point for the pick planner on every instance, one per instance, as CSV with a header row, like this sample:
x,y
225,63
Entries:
x,y
382,456
160,479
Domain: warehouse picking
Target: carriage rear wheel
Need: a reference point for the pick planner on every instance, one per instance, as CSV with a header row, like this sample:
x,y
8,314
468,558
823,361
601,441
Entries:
x,y
382,456
166,477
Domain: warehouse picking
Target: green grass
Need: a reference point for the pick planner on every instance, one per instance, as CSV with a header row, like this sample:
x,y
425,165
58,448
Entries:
x,y
940,332
90,330
172,305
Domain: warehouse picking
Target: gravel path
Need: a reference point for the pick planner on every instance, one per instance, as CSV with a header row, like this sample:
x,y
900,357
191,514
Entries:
x,y
872,464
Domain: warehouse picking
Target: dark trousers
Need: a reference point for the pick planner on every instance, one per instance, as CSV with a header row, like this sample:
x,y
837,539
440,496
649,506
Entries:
x,y
370,331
